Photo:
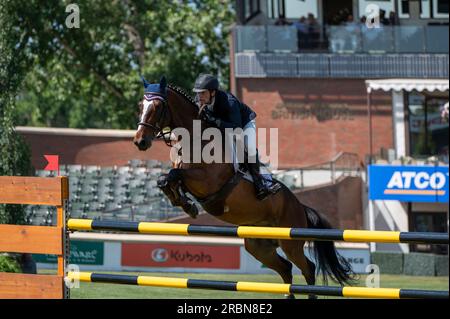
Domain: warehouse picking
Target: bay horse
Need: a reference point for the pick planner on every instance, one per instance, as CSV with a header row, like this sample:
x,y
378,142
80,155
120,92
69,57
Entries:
x,y
167,106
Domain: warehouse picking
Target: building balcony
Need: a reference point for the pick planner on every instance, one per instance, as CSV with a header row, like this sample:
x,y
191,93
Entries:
x,y
354,38
342,52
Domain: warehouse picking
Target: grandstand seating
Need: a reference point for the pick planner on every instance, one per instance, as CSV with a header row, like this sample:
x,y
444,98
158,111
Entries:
x,y
110,193
114,193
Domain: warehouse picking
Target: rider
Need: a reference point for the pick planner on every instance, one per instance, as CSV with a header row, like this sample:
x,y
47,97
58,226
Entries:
x,y
223,110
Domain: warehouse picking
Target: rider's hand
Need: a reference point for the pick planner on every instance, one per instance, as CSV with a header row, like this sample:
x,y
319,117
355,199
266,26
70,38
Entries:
x,y
209,118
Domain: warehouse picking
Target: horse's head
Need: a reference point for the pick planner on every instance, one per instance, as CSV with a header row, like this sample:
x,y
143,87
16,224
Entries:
x,y
153,115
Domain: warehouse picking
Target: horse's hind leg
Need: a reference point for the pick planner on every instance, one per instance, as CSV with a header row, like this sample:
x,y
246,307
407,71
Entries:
x,y
265,250
294,252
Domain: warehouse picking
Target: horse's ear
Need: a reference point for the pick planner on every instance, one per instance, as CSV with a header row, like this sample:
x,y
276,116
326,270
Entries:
x,y
144,81
163,83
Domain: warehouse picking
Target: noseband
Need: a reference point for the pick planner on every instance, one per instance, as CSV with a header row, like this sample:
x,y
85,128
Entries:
x,y
155,127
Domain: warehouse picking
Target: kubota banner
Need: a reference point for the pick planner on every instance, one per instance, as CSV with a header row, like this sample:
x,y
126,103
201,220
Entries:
x,y
179,255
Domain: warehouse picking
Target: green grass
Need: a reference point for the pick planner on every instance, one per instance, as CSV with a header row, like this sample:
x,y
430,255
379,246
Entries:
x,y
99,291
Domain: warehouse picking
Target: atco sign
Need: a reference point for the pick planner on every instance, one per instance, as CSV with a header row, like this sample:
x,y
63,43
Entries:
x,y
408,183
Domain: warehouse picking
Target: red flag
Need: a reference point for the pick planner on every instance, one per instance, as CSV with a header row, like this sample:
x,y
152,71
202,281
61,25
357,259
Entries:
x,y
53,163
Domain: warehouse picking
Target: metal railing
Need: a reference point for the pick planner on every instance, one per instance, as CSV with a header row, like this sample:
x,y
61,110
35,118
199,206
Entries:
x,y
343,164
335,65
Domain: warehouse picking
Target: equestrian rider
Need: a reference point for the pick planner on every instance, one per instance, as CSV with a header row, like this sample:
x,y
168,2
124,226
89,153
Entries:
x,y
223,110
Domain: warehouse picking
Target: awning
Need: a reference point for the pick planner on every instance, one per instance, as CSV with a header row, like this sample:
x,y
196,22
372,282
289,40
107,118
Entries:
x,y
409,85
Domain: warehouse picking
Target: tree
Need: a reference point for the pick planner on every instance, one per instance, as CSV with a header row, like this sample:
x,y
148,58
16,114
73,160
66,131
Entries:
x,y
88,76
14,153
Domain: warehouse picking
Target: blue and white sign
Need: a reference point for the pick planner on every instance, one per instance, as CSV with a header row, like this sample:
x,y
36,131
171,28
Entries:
x,y
409,183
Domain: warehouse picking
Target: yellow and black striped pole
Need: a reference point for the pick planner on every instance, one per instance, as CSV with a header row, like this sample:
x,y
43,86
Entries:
x,y
242,286
261,232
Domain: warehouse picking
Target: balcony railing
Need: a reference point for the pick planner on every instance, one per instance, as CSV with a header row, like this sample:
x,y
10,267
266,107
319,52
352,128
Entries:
x,y
353,38
335,65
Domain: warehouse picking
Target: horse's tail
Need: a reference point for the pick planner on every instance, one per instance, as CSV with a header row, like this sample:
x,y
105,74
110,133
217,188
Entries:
x,y
328,261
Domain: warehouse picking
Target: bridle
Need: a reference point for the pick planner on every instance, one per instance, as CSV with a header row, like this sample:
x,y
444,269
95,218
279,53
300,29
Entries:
x,y
156,127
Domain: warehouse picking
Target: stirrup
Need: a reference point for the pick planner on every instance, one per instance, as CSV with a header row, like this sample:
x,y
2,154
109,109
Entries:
x,y
274,188
262,193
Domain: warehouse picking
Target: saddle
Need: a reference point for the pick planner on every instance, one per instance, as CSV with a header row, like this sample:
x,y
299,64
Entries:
x,y
215,203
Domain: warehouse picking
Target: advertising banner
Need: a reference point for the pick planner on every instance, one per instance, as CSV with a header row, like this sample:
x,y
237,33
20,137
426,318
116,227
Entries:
x,y
408,183
180,255
81,253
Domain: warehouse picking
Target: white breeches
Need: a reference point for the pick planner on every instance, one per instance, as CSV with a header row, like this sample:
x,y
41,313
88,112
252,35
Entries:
x,y
250,138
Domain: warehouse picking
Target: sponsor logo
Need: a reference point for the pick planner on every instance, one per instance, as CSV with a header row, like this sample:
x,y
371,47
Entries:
x,y
409,183
416,183
160,255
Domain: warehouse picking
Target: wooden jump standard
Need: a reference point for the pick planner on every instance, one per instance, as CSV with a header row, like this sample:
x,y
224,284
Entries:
x,y
35,239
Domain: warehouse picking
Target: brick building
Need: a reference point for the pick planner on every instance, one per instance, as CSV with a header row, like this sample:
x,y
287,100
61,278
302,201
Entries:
x,y
307,68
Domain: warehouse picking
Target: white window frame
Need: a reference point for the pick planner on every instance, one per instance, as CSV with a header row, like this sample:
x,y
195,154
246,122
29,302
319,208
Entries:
x,y
402,15
436,14
425,6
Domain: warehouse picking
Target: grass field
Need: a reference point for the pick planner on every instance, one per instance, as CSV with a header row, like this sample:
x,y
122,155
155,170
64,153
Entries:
x,y
99,291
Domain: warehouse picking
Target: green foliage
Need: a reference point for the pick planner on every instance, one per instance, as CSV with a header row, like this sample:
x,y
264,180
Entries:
x,y
14,64
89,76
8,264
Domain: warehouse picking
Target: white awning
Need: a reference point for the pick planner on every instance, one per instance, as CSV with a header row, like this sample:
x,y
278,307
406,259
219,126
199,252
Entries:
x,y
407,85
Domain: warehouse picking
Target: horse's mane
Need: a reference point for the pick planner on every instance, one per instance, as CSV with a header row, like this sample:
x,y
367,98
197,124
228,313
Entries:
x,y
183,93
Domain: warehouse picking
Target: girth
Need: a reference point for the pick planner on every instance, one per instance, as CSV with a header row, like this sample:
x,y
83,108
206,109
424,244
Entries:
x,y
215,203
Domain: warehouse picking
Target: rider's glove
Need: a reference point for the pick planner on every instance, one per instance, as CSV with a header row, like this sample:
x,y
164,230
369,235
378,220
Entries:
x,y
209,118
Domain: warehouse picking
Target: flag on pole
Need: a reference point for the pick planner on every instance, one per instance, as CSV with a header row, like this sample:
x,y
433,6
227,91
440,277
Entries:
x,y
53,163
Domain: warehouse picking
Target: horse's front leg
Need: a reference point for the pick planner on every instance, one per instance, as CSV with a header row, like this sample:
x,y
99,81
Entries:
x,y
163,184
171,185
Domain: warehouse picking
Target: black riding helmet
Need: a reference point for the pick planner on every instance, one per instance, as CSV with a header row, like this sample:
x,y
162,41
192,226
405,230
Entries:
x,y
206,82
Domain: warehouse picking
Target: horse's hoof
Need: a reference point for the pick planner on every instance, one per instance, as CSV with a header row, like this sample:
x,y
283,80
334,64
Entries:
x,y
192,210
312,296
162,181
290,296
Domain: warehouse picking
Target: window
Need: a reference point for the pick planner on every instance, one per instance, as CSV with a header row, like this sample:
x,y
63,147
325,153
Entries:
x,y
275,8
429,222
251,8
404,9
428,132
272,7
296,9
440,9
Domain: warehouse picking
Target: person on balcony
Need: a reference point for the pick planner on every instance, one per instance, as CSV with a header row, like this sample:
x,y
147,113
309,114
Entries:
x,y
313,31
302,33
353,31
282,21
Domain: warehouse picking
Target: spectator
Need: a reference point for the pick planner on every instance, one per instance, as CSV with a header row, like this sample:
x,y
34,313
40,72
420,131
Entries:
x,y
302,32
282,21
444,112
383,19
363,20
313,31
393,19
353,33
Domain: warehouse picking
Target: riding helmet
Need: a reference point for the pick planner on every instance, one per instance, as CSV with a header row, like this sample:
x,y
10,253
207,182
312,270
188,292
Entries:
x,y
206,82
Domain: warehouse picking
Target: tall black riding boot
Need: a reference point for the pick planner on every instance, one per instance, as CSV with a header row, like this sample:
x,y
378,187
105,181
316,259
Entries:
x,y
262,188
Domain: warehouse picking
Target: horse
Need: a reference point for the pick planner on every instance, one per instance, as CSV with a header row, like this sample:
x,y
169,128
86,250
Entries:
x,y
167,107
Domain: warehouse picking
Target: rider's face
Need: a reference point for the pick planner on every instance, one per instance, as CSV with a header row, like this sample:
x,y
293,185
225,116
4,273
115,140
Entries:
x,y
205,97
